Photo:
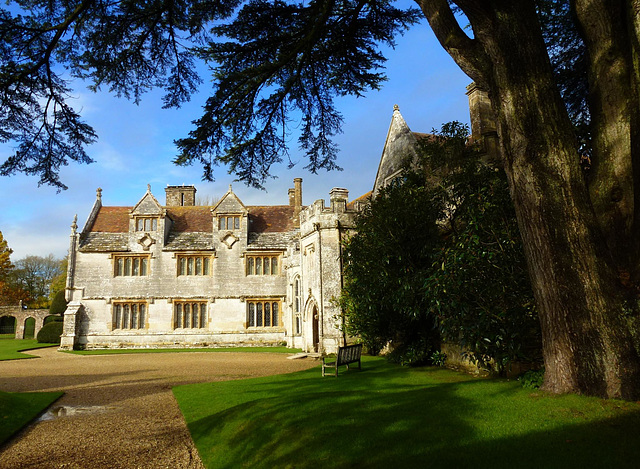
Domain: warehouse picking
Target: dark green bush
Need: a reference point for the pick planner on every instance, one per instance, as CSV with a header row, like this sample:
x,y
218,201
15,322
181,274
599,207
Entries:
x,y
532,379
53,318
438,358
50,333
59,304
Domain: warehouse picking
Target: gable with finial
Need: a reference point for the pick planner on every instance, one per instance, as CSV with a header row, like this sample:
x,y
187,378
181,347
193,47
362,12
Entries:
x,y
399,151
230,203
148,205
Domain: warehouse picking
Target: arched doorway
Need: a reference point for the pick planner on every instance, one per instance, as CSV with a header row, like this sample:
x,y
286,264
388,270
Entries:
x,y
29,328
316,329
8,325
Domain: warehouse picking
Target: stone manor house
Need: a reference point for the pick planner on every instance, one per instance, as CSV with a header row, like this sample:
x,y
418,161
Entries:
x,y
182,275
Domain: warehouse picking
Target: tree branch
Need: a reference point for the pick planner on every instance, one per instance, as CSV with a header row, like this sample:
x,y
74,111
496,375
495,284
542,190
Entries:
x,y
464,50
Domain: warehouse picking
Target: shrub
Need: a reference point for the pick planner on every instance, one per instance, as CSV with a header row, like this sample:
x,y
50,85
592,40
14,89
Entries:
x,y
50,333
532,379
59,304
53,318
438,358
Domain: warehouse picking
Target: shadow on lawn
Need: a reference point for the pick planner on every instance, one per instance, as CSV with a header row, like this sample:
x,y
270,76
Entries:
x,y
403,420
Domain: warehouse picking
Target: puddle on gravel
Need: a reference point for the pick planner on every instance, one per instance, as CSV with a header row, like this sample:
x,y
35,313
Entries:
x,y
70,411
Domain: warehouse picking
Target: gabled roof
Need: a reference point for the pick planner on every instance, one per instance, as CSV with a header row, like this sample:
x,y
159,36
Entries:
x,y
399,149
230,203
191,227
147,205
264,219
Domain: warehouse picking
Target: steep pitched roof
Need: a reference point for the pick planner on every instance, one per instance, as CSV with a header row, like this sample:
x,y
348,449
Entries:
x,y
111,220
399,147
264,219
191,219
271,218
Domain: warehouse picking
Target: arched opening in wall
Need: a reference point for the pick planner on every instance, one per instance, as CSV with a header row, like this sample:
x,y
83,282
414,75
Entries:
x,y
29,328
7,327
316,329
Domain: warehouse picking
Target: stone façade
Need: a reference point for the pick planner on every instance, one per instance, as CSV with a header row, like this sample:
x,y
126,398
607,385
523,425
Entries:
x,y
296,285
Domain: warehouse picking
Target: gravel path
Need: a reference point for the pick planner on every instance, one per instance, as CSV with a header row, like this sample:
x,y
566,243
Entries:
x,y
118,410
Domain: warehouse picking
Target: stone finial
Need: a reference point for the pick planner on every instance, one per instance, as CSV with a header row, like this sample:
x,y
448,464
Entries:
x,y
99,193
74,225
148,187
230,188
396,108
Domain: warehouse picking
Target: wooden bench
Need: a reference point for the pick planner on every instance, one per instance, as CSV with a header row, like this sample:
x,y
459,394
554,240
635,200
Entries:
x,y
346,355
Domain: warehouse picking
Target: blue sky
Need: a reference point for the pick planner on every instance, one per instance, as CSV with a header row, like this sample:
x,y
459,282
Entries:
x,y
135,148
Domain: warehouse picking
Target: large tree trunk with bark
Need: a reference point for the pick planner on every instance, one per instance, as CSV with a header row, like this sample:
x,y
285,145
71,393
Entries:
x,y
573,255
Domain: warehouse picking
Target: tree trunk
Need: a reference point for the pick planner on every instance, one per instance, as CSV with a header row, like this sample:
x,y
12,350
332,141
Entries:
x,y
614,109
587,345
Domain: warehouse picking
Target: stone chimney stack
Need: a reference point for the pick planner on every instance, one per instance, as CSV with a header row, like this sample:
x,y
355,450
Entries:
x,y
180,196
483,121
297,187
295,200
292,197
338,198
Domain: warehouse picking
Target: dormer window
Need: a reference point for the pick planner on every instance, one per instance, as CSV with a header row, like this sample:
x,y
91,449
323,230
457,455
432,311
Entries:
x,y
146,223
229,222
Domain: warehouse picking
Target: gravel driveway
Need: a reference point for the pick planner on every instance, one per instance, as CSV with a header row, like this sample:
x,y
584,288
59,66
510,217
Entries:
x,y
118,410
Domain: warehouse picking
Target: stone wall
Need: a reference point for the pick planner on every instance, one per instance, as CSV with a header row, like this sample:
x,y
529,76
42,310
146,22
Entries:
x,y
22,315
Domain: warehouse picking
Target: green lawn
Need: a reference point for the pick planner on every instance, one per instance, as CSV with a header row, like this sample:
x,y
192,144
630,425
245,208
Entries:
x,y
18,409
175,350
10,348
395,417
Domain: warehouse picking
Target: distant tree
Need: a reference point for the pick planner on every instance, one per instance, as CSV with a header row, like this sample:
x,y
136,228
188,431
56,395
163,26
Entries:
x,y
5,261
8,293
207,200
59,282
34,274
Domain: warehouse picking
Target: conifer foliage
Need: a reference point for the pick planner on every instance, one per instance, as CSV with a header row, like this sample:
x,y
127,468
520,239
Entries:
x,y
271,61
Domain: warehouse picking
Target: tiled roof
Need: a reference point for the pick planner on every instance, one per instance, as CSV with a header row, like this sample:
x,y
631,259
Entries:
x,y
191,219
362,199
271,219
264,219
103,242
270,227
112,220
276,241
189,241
